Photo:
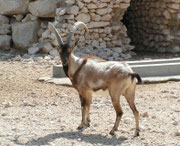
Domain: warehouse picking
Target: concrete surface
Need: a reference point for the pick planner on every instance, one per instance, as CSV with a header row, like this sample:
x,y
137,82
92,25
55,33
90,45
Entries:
x,y
151,71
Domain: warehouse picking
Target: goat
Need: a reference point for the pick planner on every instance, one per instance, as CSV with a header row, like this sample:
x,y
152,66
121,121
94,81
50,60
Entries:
x,y
92,73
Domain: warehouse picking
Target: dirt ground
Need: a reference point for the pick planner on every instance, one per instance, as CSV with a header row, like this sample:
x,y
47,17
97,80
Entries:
x,y
39,113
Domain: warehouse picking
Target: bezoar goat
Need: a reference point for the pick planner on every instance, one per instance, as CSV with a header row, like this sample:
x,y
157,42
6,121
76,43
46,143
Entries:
x,y
92,74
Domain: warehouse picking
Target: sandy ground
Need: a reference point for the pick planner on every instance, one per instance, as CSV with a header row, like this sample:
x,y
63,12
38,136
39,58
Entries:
x,y
39,113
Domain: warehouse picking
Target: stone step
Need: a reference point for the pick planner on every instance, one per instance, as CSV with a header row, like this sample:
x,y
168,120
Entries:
x,y
157,69
156,61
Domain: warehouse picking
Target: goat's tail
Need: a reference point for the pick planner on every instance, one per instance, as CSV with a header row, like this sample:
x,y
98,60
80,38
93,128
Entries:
x,y
137,76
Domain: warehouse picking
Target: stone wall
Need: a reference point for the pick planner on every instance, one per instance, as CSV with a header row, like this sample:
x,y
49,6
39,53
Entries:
x,y
24,25
107,36
150,25
154,25
22,22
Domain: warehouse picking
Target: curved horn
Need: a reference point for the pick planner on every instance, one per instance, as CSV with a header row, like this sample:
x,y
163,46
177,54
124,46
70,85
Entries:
x,y
74,28
59,39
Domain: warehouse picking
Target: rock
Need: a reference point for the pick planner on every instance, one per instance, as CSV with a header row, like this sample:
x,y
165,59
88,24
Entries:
x,y
5,29
11,7
22,139
123,138
101,11
40,32
80,4
177,133
106,17
145,114
5,41
127,120
70,2
174,122
84,10
60,11
33,50
102,5
43,8
45,35
98,24
7,104
83,17
73,10
118,49
29,17
47,47
4,20
25,34
91,6
95,17
54,53
18,17
167,14
87,1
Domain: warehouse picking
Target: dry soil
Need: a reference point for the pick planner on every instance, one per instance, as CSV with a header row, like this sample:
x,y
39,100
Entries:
x,y
39,113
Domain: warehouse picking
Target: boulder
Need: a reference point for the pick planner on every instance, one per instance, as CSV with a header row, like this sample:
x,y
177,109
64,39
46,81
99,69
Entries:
x,y
5,29
33,50
5,41
25,34
12,7
4,20
54,53
83,17
43,8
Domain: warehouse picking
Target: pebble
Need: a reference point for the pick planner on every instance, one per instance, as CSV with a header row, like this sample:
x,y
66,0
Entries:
x,y
175,123
122,138
145,114
127,120
7,104
4,114
22,139
177,133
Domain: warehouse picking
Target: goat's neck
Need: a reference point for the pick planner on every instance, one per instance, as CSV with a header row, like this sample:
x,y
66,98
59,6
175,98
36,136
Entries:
x,y
74,63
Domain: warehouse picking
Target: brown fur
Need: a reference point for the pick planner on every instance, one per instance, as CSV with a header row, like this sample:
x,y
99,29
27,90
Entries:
x,y
95,58
75,76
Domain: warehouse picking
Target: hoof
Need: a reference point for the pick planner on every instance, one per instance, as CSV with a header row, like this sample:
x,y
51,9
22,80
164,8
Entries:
x,y
136,133
111,132
83,126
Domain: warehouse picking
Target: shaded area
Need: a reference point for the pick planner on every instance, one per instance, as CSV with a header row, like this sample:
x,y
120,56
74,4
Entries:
x,y
88,138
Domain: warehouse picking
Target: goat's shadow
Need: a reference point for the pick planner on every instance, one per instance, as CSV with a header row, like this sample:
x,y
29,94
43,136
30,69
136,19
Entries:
x,y
78,135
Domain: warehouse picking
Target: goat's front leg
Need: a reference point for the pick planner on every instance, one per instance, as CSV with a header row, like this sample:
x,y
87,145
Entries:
x,y
85,107
119,114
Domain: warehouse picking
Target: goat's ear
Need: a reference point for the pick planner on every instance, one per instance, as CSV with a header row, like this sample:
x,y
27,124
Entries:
x,y
70,49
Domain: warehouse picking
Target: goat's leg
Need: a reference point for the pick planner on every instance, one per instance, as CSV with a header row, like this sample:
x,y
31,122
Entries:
x,y
130,99
88,104
85,107
119,113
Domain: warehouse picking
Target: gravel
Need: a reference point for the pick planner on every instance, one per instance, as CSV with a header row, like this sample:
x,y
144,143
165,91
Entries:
x,y
39,113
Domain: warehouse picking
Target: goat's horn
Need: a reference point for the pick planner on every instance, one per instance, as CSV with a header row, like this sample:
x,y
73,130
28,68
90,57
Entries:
x,y
74,28
59,39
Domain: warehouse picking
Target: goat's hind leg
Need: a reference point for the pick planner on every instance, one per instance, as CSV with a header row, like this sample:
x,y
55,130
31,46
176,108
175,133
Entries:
x,y
116,104
130,96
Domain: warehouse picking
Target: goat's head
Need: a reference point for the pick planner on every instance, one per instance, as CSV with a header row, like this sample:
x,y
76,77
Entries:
x,y
65,49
